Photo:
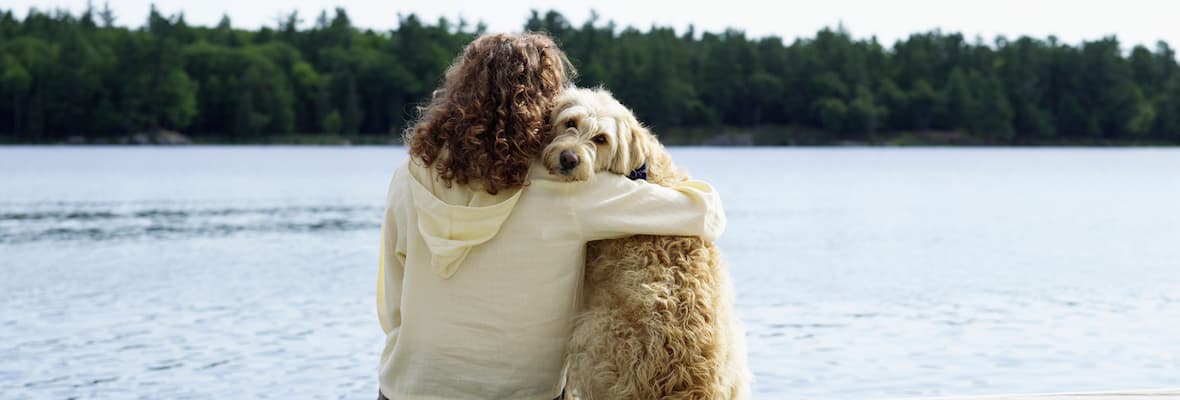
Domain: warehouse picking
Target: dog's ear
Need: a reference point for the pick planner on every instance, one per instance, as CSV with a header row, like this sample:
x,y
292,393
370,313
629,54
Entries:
x,y
631,146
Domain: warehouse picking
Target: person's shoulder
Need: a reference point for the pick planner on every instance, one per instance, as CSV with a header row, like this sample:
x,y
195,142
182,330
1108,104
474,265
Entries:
x,y
413,170
401,177
539,174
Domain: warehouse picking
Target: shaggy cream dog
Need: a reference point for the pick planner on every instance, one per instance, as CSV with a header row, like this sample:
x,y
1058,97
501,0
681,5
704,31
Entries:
x,y
657,319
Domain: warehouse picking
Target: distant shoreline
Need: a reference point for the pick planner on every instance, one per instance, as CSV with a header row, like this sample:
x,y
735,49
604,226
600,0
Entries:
x,y
725,136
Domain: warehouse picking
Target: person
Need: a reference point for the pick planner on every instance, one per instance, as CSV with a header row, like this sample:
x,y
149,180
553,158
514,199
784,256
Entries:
x,y
482,250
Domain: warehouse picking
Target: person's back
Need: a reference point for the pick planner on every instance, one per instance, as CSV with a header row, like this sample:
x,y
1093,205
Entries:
x,y
482,264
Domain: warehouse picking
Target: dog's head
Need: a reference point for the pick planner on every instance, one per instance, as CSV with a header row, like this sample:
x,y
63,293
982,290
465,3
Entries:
x,y
593,132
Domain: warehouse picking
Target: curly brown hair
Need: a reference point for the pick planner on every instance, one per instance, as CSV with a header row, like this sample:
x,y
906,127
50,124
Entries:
x,y
489,119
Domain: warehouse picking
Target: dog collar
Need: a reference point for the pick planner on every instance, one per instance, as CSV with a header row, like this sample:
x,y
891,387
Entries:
x,y
639,173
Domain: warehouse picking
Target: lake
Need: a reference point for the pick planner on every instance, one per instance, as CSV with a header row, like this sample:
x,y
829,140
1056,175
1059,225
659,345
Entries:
x,y
862,273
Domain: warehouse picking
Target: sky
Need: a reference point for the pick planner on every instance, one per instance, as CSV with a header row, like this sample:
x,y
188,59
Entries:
x,y
1133,21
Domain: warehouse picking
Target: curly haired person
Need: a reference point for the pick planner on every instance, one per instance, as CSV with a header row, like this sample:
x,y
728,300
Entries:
x,y
482,250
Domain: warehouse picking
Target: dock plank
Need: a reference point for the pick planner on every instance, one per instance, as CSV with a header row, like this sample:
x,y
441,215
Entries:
x,y
1116,395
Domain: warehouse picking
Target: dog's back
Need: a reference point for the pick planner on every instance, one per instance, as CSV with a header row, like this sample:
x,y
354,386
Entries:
x,y
658,323
658,318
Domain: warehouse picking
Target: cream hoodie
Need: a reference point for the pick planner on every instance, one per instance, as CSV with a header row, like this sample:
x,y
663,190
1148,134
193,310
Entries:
x,y
476,292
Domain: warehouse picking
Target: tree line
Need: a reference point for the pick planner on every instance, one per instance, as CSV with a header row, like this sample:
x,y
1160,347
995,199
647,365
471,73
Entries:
x,y
64,75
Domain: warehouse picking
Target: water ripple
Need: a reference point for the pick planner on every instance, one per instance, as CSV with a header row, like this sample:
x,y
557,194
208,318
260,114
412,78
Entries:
x,y
65,222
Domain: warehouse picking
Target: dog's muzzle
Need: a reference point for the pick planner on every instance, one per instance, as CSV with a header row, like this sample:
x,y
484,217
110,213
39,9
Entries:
x,y
568,160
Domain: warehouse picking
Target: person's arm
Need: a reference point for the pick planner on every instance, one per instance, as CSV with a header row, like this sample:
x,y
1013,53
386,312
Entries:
x,y
611,206
390,273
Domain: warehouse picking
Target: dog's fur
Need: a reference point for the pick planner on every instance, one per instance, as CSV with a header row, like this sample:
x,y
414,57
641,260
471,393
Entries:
x,y
657,311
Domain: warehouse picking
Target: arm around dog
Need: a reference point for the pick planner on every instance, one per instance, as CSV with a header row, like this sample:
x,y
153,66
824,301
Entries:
x,y
611,206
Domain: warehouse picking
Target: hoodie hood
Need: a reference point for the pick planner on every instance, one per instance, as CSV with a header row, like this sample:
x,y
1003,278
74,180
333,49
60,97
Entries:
x,y
450,230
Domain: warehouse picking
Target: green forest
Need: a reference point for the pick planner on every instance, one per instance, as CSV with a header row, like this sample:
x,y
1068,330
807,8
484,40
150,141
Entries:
x,y
91,78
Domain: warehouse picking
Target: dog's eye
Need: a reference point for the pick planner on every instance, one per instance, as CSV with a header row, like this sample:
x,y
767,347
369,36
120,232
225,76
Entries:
x,y
600,139
571,124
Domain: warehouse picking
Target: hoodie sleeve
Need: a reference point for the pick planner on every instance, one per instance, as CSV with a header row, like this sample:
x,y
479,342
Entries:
x,y
390,271
612,206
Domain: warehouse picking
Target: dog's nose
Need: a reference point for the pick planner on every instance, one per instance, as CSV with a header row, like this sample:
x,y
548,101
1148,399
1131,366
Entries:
x,y
569,160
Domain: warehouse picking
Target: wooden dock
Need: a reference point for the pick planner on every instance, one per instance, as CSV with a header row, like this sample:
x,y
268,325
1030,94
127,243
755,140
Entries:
x,y
1173,394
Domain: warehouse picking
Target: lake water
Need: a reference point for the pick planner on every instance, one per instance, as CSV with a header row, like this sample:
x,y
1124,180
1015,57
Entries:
x,y
248,272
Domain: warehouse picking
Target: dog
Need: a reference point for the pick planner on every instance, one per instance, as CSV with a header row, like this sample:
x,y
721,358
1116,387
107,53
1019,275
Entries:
x,y
656,320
